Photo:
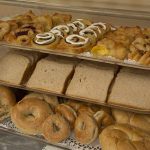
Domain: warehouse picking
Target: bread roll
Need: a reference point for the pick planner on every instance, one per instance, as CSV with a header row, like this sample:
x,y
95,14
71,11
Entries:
x,y
51,74
136,120
91,81
131,89
124,137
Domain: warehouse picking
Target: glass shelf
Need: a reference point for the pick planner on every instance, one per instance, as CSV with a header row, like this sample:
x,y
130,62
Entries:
x,y
128,9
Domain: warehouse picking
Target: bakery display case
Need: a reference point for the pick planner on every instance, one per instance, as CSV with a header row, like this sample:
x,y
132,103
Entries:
x,y
75,74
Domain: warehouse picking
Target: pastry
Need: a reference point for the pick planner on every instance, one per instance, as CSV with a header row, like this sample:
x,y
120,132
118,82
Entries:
x,y
91,81
124,137
74,44
52,74
7,101
58,18
68,113
56,128
47,40
137,120
4,29
86,129
29,114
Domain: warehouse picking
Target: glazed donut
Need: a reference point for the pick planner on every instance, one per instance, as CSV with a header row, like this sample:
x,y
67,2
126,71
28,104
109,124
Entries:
x,y
86,129
56,128
7,101
4,29
29,114
68,113
103,118
124,137
51,100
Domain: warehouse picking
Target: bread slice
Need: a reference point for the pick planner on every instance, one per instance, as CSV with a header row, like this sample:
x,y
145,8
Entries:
x,y
131,89
51,73
91,81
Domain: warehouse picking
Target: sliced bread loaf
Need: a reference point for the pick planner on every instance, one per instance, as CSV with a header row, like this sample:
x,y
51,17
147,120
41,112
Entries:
x,y
91,81
15,66
131,89
52,73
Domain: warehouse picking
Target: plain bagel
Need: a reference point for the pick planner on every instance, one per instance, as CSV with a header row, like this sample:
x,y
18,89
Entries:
x,y
29,114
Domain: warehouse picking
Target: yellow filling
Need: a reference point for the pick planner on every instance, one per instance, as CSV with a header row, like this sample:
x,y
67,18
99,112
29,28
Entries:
x,y
100,50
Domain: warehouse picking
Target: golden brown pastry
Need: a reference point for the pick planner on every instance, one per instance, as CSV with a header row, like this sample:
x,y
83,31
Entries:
x,y
7,101
29,114
124,137
74,44
56,128
4,29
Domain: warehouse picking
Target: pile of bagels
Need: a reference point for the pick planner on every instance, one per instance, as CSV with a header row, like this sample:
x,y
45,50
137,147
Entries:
x,y
55,120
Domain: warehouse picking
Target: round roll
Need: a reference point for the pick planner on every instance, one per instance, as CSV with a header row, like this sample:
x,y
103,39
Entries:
x,y
7,101
124,137
29,114
56,128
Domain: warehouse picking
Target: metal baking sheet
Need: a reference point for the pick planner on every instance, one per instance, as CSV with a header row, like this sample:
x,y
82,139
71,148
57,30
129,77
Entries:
x,y
121,107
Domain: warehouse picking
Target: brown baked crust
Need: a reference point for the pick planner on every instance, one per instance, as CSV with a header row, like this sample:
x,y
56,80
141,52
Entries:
x,y
124,137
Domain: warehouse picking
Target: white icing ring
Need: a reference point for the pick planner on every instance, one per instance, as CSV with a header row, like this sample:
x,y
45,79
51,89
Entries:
x,y
83,32
80,24
72,26
58,33
42,39
63,27
69,39
95,27
100,24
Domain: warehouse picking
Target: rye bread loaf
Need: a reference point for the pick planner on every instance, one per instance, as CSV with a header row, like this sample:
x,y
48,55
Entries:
x,y
132,89
91,81
52,73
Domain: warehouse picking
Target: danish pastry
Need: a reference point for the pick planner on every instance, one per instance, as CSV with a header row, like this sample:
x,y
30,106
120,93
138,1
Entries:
x,y
4,29
56,128
74,44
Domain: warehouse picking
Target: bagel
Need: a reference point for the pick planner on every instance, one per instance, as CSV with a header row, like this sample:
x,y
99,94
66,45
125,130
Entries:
x,y
29,114
51,100
68,113
124,137
103,118
56,128
137,120
7,101
86,129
